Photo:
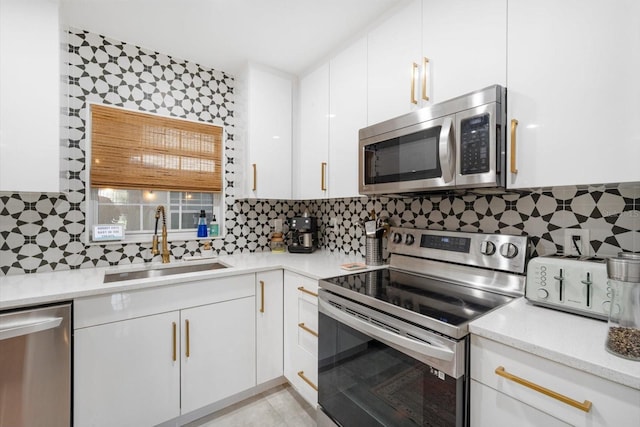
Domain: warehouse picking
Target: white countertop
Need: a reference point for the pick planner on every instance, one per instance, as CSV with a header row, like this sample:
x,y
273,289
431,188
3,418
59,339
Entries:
x,y
569,339
44,288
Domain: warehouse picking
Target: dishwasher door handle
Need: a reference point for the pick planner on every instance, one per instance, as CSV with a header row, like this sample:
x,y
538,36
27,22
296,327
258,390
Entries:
x,y
17,329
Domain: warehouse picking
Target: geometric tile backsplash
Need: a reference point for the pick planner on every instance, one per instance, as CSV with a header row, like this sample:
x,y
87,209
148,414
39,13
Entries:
x,y
45,232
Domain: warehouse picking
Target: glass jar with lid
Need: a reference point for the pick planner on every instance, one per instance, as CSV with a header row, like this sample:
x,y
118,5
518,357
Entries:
x,y
277,243
623,335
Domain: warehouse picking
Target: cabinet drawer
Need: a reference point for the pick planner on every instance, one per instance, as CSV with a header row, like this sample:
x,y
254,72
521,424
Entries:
x,y
307,326
305,365
118,306
612,403
490,408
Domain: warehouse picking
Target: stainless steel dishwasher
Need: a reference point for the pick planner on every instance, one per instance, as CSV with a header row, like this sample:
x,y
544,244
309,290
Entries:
x,y
35,367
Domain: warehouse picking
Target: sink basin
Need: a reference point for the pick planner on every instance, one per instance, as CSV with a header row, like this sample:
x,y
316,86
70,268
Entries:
x,y
159,272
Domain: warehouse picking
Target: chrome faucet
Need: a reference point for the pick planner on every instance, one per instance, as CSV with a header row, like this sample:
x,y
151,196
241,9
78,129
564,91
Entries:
x,y
154,244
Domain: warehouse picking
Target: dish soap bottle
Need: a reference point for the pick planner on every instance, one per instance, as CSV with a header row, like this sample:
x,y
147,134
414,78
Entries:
x,y
214,229
202,224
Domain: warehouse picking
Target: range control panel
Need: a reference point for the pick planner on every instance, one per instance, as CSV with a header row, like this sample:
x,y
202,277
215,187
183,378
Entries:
x,y
504,252
573,285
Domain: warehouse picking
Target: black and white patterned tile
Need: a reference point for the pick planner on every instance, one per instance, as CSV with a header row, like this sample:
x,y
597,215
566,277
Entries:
x,y
44,232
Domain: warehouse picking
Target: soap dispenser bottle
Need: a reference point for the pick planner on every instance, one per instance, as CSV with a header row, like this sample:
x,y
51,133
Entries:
x,y
214,229
202,224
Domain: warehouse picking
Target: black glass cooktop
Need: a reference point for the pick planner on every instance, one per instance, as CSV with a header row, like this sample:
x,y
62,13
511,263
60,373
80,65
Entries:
x,y
437,299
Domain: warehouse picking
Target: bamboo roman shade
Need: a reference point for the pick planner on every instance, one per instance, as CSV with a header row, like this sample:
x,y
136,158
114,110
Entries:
x,y
132,150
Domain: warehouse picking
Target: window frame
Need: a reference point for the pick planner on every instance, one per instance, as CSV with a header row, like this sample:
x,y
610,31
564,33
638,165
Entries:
x,y
142,237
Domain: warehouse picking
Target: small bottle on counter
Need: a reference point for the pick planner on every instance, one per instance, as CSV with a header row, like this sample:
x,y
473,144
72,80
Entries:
x,y
202,224
214,229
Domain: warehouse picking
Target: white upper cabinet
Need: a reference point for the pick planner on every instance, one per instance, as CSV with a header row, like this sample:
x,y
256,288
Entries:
x,y
574,90
465,42
30,100
266,103
347,115
313,146
394,64
434,50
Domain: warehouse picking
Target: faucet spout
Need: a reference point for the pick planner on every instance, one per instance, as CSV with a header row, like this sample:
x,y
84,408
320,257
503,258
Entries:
x,y
154,244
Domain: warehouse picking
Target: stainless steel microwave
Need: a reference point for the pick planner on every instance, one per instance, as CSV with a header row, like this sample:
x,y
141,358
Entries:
x,y
455,144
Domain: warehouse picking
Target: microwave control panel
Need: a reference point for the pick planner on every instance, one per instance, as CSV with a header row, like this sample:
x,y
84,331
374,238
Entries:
x,y
475,139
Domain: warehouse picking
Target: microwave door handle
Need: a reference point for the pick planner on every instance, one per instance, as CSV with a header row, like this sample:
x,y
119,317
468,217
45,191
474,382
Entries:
x,y
435,351
446,150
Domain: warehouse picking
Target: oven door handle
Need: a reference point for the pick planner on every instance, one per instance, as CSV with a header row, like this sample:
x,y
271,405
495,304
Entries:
x,y
388,337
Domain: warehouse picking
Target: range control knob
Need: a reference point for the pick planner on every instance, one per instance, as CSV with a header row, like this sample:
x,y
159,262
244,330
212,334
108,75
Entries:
x,y
409,239
487,248
508,250
543,293
397,238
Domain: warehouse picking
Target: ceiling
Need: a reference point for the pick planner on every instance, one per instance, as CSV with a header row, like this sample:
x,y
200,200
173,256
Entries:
x,y
289,35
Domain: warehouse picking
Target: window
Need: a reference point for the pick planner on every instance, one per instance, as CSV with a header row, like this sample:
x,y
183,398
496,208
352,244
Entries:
x,y
140,161
136,209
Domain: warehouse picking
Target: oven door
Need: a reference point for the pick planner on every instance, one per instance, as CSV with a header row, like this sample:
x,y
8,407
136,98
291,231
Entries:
x,y
408,159
376,370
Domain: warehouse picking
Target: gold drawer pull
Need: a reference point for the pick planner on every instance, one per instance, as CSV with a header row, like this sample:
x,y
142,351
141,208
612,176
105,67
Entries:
x,y
255,177
414,70
425,65
305,328
307,291
174,341
513,167
584,406
262,296
188,340
307,380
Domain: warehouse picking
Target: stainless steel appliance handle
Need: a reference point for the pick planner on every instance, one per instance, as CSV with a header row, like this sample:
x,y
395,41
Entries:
x,y
447,154
19,329
381,334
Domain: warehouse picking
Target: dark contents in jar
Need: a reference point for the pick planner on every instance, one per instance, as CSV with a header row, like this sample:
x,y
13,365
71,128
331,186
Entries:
x,y
624,341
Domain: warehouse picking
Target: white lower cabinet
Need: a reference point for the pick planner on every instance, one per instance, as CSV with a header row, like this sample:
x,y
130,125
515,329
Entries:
x,y
301,334
570,396
218,352
147,356
125,372
269,326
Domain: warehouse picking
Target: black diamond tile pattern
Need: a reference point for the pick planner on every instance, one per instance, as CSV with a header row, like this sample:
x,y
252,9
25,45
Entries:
x,y
45,232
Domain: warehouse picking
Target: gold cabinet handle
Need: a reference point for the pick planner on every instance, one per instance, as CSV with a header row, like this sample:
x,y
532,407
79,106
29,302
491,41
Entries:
x,y
175,344
255,177
307,380
307,329
188,349
262,296
323,176
307,291
413,83
584,406
514,125
425,65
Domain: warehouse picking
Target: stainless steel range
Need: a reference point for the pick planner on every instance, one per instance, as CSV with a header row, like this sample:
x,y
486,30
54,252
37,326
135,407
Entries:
x,y
393,343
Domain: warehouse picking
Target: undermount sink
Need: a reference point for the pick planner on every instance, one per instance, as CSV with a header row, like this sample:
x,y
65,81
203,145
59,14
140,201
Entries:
x,y
161,271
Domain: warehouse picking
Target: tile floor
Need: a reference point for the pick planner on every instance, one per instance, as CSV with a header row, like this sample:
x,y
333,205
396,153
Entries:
x,y
279,406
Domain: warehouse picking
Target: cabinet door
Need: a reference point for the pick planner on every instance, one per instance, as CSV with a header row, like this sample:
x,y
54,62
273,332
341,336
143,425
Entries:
x,y
394,48
313,146
573,87
466,44
30,101
269,333
269,134
218,351
347,115
125,373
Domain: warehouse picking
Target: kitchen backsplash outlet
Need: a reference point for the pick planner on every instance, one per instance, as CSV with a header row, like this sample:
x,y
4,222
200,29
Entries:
x,y
44,232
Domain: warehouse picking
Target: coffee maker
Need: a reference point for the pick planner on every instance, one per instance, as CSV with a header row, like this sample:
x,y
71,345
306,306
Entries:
x,y
304,234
